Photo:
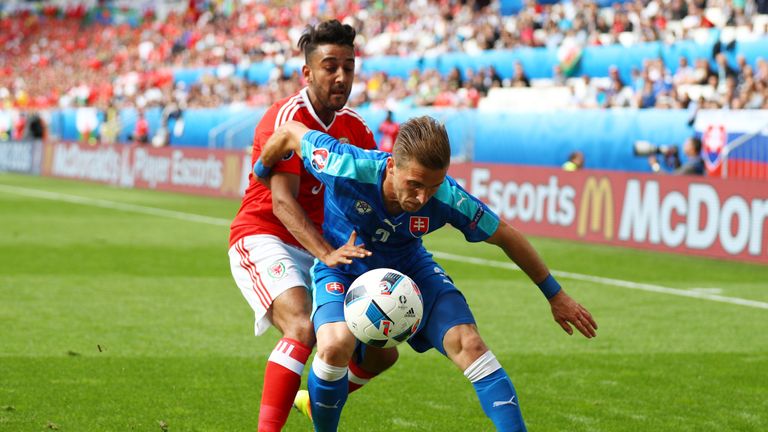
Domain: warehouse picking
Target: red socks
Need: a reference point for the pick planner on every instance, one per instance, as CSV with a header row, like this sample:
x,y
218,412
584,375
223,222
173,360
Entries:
x,y
358,377
282,378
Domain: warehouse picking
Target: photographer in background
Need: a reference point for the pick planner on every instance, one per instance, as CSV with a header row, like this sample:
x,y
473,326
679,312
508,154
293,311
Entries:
x,y
694,164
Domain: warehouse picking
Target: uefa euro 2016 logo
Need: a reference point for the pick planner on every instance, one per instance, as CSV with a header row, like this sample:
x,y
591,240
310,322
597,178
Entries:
x,y
319,159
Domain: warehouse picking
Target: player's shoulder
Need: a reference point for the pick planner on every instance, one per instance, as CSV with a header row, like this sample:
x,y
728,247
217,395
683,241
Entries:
x,y
354,124
450,193
351,118
282,111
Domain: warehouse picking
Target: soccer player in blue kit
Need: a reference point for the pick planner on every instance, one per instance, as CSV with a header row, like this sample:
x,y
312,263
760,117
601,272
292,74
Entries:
x,y
391,201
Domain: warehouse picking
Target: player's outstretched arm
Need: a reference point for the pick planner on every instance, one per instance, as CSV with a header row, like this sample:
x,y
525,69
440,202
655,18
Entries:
x,y
285,188
285,139
565,310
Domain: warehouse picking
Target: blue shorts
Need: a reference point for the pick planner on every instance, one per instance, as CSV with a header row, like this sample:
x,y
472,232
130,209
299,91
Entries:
x,y
444,305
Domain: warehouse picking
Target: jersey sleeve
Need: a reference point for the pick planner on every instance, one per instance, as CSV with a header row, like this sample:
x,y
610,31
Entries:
x,y
264,130
467,213
331,161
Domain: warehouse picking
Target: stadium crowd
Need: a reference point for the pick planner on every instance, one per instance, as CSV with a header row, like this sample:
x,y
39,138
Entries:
x,y
81,57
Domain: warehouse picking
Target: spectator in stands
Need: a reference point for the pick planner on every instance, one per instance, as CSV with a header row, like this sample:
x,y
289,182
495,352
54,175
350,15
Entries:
x,y
575,161
37,127
519,78
724,71
684,74
388,129
693,165
141,129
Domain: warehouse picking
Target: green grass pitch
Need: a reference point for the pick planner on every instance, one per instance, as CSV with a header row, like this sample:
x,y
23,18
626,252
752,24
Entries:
x,y
122,317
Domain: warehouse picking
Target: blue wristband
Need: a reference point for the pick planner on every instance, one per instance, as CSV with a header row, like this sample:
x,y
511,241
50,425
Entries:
x,y
260,170
549,286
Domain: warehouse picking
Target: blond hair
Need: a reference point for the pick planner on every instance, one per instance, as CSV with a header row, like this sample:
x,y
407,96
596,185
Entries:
x,y
424,140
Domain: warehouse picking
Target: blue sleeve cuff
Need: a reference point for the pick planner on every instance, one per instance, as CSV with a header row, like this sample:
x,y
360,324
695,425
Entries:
x,y
261,171
549,287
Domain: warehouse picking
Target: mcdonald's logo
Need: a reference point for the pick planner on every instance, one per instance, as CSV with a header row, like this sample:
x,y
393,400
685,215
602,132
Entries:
x,y
596,196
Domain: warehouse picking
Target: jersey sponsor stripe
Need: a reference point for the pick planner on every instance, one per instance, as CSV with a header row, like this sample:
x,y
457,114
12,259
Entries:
x,y
293,112
287,106
284,116
347,111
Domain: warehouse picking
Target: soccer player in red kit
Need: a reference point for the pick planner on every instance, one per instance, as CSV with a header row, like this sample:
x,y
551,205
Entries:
x,y
267,259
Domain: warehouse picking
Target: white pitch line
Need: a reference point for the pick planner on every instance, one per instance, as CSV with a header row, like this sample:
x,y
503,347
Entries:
x,y
612,282
113,205
190,217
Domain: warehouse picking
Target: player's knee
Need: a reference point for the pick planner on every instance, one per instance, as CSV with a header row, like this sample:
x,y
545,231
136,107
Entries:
x,y
464,341
335,344
472,346
301,330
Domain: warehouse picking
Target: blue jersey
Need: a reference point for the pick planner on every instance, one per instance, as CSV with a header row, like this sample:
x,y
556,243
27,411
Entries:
x,y
354,201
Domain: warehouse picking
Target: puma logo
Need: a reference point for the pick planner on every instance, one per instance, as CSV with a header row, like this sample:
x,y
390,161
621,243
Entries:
x,y
511,401
334,406
461,200
391,225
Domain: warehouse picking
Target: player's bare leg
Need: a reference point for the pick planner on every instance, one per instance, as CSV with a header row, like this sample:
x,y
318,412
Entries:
x,y
289,313
464,346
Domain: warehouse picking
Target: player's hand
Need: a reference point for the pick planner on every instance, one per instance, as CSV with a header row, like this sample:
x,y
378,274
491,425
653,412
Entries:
x,y
566,311
346,253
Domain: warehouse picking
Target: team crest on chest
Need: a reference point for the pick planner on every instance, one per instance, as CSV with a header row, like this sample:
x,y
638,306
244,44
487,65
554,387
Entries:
x,y
276,270
418,225
319,159
362,207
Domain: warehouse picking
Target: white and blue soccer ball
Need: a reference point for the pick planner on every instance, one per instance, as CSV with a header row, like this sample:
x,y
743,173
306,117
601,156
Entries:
x,y
383,308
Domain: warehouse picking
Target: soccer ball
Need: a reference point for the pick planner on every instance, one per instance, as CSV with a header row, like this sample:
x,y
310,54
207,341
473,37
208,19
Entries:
x,y
383,308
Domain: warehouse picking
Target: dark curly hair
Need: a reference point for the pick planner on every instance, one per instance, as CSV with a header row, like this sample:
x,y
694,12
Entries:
x,y
326,33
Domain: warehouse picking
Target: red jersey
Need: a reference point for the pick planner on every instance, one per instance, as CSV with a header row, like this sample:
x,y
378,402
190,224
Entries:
x,y
255,215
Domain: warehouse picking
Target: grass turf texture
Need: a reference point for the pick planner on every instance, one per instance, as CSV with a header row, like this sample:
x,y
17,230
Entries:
x,y
113,320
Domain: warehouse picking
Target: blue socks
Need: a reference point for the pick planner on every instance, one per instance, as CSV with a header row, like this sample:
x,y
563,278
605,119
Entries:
x,y
328,390
496,393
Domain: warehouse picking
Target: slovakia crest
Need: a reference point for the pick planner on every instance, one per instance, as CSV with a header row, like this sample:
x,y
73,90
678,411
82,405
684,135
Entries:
x,y
713,141
362,207
319,159
335,288
418,225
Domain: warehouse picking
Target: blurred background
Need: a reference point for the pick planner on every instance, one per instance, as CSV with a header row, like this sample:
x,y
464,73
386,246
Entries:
x,y
514,81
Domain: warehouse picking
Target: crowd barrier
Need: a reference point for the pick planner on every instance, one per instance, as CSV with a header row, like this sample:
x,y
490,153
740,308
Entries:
x,y
606,137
